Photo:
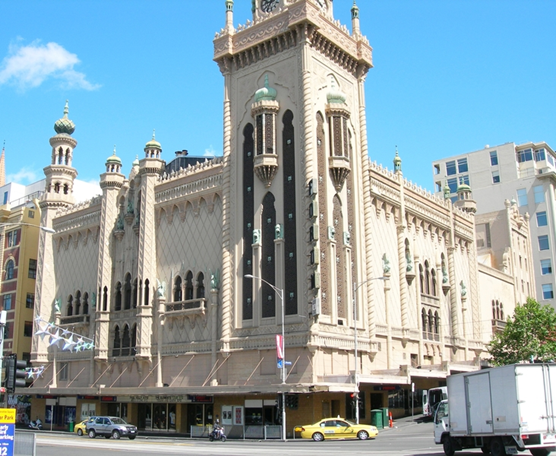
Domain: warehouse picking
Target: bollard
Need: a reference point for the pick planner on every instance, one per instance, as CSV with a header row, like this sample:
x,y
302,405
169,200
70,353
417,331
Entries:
x,y
391,424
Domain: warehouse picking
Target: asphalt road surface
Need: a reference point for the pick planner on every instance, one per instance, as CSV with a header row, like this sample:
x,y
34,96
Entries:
x,y
406,438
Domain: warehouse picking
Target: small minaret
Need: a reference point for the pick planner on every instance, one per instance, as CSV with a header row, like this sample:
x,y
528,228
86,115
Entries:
x,y
397,163
229,16
355,20
465,200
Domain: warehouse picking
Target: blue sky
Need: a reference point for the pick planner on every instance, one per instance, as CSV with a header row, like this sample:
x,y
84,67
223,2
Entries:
x,y
450,76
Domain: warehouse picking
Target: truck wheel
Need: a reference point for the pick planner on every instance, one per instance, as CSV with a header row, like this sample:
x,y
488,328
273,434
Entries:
x,y
497,447
448,446
539,452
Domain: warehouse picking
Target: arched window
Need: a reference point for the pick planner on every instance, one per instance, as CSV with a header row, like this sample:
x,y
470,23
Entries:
x,y
126,341
105,299
134,295
77,302
177,289
200,286
493,310
189,286
501,311
431,323
421,279
436,324
433,284
86,304
69,312
127,292
10,269
133,339
427,278
146,301
118,303
117,342
424,322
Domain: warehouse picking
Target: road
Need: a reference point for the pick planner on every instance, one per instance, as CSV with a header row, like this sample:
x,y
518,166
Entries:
x,y
407,438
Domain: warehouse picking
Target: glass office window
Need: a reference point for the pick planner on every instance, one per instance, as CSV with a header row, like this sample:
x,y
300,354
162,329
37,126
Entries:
x,y
493,158
547,291
450,168
543,242
539,193
495,177
522,197
546,267
541,218
462,165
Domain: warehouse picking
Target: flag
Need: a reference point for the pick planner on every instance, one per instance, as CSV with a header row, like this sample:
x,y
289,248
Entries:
x,y
279,346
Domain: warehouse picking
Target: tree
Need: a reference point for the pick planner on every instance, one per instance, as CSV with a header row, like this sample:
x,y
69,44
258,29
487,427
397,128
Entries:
x,y
529,336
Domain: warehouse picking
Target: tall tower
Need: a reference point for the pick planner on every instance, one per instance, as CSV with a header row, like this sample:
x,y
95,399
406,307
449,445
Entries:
x,y
295,156
60,177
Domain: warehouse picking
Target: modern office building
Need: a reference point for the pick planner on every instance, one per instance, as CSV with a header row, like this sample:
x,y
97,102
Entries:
x,y
181,293
524,174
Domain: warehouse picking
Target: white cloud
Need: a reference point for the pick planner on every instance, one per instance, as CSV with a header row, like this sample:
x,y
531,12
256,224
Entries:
x,y
24,176
210,152
29,66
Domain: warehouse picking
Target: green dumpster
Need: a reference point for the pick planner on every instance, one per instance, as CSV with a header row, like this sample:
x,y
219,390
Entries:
x,y
376,418
71,426
385,417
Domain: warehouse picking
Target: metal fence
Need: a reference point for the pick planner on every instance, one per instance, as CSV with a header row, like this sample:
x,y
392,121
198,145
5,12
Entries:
x,y
25,444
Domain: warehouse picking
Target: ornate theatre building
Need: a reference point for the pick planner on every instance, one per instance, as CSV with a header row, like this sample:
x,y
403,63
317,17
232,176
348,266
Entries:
x,y
161,300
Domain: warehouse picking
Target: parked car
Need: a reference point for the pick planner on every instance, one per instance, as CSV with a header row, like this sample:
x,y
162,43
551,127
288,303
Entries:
x,y
81,428
336,428
110,426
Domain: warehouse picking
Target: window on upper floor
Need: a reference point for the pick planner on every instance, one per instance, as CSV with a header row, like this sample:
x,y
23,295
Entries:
x,y
524,155
493,158
5,198
32,269
30,301
462,165
10,269
546,266
496,177
540,155
543,242
539,194
436,168
522,197
28,329
453,184
7,301
547,291
451,168
541,218
12,238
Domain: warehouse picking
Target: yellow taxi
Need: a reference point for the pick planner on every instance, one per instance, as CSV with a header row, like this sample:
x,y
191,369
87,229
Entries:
x,y
81,428
336,428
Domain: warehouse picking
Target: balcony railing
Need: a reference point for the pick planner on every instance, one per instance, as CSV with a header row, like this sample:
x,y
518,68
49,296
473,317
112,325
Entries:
x,y
75,320
191,306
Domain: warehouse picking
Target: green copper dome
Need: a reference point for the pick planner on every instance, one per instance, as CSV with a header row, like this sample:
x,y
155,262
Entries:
x,y
153,144
113,159
266,93
397,162
335,95
136,161
463,188
64,125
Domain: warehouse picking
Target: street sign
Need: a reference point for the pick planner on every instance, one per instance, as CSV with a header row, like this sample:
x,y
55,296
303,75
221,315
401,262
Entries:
x,y
7,432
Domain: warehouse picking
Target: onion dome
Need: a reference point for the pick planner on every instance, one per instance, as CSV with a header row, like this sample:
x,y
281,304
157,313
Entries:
x,y
266,93
135,162
64,125
335,95
153,144
462,188
447,191
114,159
397,162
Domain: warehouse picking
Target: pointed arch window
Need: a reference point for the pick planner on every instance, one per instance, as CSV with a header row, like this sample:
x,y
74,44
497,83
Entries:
x,y
105,299
189,286
118,300
200,286
117,342
177,289
147,297
126,341
424,322
86,304
77,302
134,339
69,311
127,292
134,294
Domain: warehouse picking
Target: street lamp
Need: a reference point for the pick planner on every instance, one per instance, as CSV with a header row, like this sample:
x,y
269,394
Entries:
x,y
280,294
356,287
44,228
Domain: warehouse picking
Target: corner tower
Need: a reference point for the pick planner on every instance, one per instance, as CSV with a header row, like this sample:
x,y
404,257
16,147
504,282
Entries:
x,y
295,155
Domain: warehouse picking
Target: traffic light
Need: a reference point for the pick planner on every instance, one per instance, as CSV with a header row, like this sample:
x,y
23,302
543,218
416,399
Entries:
x,y
15,373
354,399
292,401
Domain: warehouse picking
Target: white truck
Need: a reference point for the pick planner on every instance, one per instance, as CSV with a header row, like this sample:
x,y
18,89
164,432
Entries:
x,y
502,410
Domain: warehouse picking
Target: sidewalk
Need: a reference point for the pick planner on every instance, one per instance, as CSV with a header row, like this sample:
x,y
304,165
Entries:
x,y
404,422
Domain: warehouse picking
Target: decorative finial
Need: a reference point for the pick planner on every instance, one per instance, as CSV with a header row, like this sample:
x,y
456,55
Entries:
x,y
154,134
66,109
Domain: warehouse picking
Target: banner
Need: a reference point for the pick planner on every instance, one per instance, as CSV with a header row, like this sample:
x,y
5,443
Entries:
x,y
279,347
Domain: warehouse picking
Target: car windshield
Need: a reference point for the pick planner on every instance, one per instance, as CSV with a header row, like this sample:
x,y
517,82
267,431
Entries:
x,y
117,421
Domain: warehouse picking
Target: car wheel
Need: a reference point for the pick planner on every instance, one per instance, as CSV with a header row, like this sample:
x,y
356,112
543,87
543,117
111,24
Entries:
x,y
132,437
92,433
115,434
318,437
362,435
79,432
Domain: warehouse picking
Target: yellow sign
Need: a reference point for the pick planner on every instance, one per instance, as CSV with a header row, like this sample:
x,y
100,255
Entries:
x,y
7,416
